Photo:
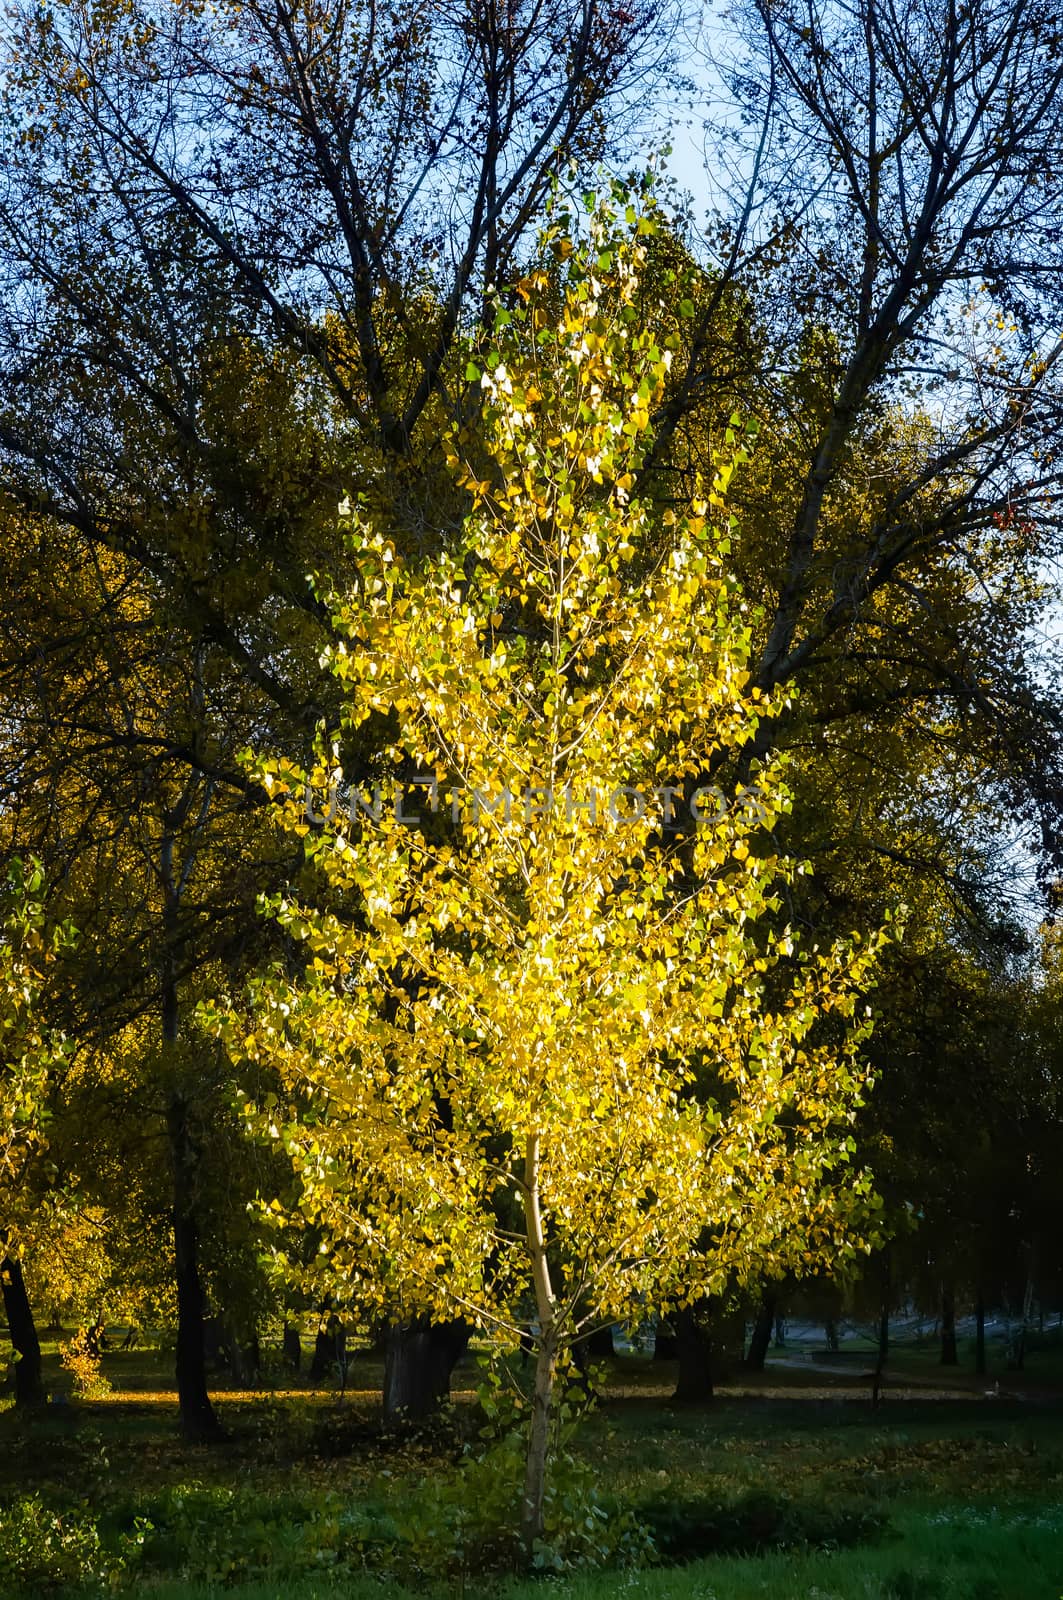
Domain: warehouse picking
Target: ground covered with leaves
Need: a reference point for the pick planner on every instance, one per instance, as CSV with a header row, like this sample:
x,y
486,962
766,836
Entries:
x,y
788,1485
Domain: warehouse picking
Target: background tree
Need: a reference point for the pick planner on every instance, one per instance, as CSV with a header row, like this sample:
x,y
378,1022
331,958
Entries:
x,y
897,243
31,1058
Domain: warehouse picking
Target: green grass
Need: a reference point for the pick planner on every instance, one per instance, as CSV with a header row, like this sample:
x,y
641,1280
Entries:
x,y
948,1554
971,1489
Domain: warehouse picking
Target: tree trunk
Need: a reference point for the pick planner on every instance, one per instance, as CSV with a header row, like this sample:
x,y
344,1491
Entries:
x,y
597,1345
418,1360
196,1412
694,1347
884,1316
292,1347
979,1335
760,1338
949,1358
29,1383
533,1501
193,1399
324,1357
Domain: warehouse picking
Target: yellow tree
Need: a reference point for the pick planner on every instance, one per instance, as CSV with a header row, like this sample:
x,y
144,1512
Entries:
x,y
532,1059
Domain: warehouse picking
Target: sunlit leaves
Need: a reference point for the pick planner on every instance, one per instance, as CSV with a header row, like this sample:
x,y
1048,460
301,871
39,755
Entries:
x,y
551,1002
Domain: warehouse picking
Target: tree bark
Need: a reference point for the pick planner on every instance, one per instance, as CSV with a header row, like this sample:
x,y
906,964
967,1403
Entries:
x,y
324,1356
193,1400
533,1502
949,1358
979,1335
292,1347
198,1418
419,1358
884,1315
760,1338
29,1382
694,1347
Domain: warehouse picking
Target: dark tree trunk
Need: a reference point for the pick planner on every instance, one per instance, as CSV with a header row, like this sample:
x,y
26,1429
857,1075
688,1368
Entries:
x,y
330,1349
418,1361
694,1349
196,1412
587,1351
193,1399
979,1335
598,1344
29,1383
324,1356
884,1315
292,1347
949,1357
830,1329
760,1338
780,1333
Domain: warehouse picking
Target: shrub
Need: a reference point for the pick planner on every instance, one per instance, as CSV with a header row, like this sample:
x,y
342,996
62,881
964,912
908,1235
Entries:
x,y
82,1360
687,1527
42,1550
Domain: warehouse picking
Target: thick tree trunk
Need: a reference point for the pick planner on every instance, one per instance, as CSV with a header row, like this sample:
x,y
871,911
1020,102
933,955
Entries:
x,y
533,1501
979,1335
949,1358
418,1360
694,1348
29,1383
760,1338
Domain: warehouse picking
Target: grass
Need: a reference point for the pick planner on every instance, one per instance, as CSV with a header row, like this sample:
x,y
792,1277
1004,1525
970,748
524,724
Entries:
x,y
947,1554
971,1488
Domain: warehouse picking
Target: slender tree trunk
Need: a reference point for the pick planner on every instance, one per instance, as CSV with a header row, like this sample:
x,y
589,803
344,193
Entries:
x,y
949,1358
533,1500
29,1383
979,1335
196,1412
694,1348
1027,1306
324,1356
884,1316
760,1338
193,1399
